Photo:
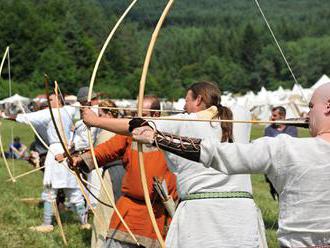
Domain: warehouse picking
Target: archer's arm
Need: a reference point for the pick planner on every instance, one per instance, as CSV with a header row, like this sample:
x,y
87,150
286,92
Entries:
x,y
229,158
235,158
109,151
36,118
119,126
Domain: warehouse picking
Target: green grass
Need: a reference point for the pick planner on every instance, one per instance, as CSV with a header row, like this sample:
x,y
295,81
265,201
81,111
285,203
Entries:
x,y
16,217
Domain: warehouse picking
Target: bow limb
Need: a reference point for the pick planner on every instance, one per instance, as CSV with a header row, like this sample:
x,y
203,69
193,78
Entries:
x,y
280,49
140,108
59,222
55,209
1,144
105,45
32,127
56,90
3,59
39,138
91,85
60,118
67,152
5,161
27,173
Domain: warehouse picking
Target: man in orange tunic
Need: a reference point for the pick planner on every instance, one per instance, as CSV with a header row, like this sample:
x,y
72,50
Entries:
x,y
131,204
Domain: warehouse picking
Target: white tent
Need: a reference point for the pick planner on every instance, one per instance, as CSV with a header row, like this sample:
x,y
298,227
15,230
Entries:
x,y
260,104
70,98
323,80
179,105
125,103
15,99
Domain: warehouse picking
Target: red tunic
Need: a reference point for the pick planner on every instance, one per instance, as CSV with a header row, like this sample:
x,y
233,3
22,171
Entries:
x,y
131,204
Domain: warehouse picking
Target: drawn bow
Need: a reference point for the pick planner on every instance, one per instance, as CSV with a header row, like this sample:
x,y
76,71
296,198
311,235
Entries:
x,y
88,130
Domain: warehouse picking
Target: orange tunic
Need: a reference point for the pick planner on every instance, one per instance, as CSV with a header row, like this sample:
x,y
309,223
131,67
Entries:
x,y
131,204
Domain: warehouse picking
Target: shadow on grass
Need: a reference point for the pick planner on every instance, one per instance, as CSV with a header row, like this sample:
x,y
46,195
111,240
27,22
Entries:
x,y
271,224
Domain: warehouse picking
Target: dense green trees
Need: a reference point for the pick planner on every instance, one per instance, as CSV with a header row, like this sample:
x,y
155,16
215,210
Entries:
x,y
220,40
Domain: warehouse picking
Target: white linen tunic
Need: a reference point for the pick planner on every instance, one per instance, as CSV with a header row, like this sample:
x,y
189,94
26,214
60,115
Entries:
x,y
39,120
80,135
56,175
210,222
299,169
81,142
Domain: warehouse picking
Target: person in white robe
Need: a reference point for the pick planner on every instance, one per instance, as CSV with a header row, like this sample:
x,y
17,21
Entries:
x,y
81,143
39,120
299,169
212,222
217,219
58,175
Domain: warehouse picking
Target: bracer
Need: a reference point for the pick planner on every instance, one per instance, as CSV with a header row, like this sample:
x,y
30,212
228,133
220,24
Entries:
x,y
188,148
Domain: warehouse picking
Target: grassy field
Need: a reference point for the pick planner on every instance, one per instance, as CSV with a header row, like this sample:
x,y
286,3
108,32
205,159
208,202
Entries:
x,y
16,216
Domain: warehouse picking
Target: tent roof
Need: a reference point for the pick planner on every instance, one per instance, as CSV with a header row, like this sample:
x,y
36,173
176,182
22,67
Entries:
x,y
15,99
323,80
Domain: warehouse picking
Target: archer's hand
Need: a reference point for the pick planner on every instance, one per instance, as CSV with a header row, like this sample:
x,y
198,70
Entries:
x,y
89,117
137,122
59,158
144,135
76,161
10,117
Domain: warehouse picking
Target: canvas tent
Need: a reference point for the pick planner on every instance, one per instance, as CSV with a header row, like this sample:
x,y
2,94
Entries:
x,y
15,99
323,80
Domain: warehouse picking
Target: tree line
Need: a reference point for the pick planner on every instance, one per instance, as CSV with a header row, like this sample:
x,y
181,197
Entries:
x,y
223,41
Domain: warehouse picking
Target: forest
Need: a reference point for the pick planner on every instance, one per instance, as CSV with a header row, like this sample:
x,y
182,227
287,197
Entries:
x,y
225,41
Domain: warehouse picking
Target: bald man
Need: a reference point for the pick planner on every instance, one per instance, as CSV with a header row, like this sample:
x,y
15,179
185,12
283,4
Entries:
x,y
299,169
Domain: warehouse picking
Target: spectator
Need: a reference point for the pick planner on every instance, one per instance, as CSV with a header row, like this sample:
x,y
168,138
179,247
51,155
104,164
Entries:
x,y
278,114
17,150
